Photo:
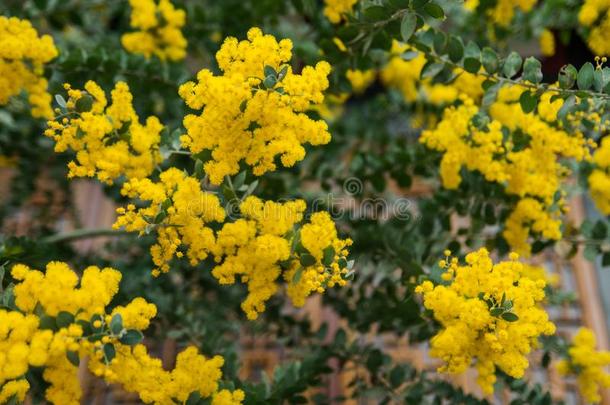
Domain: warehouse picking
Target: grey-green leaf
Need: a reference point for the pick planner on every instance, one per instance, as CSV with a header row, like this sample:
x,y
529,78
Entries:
x,y
585,76
408,25
116,324
532,70
512,64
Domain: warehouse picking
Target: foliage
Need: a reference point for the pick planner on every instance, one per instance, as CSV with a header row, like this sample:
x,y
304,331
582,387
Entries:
x,y
294,148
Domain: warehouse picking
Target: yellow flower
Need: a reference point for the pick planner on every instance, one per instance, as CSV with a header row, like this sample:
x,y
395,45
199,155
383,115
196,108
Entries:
x,y
360,80
185,210
404,75
599,179
547,43
587,364
158,30
490,316
23,55
252,114
27,340
522,152
335,10
137,372
109,141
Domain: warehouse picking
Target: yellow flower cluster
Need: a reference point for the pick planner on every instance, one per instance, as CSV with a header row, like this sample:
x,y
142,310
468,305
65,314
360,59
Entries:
x,y
59,319
404,75
490,315
179,211
23,55
319,238
504,11
253,247
360,80
254,111
158,30
587,364
599,179
109,141
594,14
547,43
528,162
335,10
137,372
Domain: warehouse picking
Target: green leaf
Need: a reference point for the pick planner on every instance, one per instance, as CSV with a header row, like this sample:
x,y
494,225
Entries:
x,y
440,42
567,76
490,60
109,352
307,260
546,359
160,217
512,64
606,259
510,317
397,376
239,180
434,10
116,324
585,76
84,104
408,25
282,73
199,173
455,49
532,70
47,322
269,71
590,253
496,311
131,337
490,96
328,256
431,69
60,101
270,82
342,263
194,398
566,108
528,101
472,65
409,55
64,319
297,275
376,13
73,357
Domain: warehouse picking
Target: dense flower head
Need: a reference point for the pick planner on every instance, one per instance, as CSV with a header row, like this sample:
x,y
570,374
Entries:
x,y
23,54
594,15
405,76
136,371
256,248
178,210
109,140
490,316
158,30
336,10
547,43
599,179
588,364
527,162
360,80
504,11
255,111
59,319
